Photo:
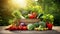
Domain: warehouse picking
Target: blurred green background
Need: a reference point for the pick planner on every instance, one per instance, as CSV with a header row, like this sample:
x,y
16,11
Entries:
x,y
7,9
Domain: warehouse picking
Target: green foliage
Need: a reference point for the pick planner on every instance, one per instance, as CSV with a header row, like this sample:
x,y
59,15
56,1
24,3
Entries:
x,y
4,21
36,8
48,17
50,9
42,23
36,24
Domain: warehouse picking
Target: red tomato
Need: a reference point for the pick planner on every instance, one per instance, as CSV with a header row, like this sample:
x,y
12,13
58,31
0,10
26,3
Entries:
x,y
49,26
24,27
31,16
19,28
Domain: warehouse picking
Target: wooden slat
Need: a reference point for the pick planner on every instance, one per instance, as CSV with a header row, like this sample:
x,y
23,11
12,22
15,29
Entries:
x,y
29,20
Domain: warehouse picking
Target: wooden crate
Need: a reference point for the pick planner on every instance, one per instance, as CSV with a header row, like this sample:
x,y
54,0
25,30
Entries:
x,y
29,20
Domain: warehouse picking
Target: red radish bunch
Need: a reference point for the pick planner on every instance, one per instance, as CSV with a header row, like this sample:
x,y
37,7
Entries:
x,y
12,28
22,28
33,15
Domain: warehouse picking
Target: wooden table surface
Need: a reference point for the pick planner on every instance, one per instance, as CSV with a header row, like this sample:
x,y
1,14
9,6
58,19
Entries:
x,y
56,30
